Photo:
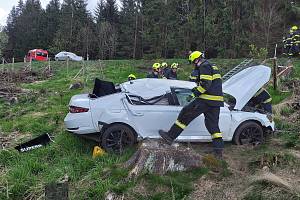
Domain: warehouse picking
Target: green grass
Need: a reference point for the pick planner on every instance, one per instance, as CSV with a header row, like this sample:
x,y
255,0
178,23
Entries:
x,y
278,96
177,185
43,111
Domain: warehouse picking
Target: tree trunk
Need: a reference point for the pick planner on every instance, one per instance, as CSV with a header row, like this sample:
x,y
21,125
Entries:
x,y
154,156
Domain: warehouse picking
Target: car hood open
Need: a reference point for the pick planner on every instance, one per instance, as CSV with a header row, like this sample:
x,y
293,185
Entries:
x,y
243,85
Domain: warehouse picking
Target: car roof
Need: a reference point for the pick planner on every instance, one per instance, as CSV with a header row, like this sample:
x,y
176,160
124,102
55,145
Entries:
x,y
150,87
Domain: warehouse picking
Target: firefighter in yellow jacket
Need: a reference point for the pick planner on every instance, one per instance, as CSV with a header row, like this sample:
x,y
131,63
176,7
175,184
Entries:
x,y
206,98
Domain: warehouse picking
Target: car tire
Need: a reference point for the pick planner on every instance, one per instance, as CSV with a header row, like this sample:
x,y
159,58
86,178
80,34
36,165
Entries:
x,y
117,137
249,132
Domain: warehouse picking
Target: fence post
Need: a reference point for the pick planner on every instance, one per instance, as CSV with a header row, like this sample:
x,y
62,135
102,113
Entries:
x,y
67,66
49,65
275,73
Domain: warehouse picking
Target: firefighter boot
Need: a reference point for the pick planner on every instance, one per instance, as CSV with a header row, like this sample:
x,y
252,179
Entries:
x,y
165,136
218,146
171,135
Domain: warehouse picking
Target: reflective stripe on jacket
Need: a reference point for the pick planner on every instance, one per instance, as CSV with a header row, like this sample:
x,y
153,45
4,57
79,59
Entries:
x,y
209,84
261,97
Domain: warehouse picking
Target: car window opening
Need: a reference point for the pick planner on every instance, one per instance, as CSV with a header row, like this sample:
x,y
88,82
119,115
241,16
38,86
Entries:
x,y
103,88
158,100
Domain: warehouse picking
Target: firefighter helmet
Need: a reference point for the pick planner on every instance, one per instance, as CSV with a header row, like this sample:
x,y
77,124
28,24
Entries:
x,y
131,77
164,64
294,28
174,66
156,66
193,56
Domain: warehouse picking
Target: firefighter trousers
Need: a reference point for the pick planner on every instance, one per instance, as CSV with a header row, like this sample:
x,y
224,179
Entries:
x,y
192,111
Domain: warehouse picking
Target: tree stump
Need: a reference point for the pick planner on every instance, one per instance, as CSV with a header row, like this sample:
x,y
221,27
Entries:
x,y
157,157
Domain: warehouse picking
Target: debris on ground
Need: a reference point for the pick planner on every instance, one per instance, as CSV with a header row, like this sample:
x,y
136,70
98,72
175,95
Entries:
x,y
270,178
112,196
76,85
289,109
35,143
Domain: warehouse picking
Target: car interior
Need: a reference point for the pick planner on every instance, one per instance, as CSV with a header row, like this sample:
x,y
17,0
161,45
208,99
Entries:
x,y
177,97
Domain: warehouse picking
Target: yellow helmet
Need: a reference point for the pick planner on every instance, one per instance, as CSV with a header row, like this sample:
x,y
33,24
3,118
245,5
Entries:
x,y
131,77
294,28
164,64
193,56
156,66
174,66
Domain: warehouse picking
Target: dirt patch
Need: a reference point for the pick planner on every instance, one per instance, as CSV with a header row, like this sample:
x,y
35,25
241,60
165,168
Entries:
x,y
253,174
10,140
10,79
217,186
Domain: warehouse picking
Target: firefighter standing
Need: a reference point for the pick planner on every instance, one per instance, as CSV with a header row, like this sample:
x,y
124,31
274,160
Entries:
x,y
155,71
207,99
295,49
292,42
288,43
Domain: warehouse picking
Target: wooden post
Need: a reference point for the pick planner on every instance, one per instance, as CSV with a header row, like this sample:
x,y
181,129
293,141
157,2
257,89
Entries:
x,y
49,65
275,73
30,64
275,69
68,66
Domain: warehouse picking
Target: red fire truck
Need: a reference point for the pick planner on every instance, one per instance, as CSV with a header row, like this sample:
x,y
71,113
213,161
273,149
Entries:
x,y
37,54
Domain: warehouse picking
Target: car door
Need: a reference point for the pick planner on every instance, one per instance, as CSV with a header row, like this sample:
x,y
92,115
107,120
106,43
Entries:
x,y
148,119
196,129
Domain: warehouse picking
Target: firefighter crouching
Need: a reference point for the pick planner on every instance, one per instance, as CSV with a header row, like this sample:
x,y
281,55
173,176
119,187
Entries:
x,y
262,100
207,98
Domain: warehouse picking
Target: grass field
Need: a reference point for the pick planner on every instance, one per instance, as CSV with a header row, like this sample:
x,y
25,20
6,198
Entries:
x,y
23,176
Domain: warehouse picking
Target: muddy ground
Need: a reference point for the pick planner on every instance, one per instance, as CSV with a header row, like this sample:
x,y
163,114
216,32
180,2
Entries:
x,y
10,80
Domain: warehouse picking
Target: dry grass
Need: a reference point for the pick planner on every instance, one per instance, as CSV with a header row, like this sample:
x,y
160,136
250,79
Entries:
x,y
270,178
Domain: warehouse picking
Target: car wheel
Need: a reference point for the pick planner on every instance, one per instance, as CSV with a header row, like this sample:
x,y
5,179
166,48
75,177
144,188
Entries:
x,y
249,133
118,137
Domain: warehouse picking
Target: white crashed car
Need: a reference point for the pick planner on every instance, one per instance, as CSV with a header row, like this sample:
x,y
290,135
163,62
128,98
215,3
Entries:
x,y
138,109
62,56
